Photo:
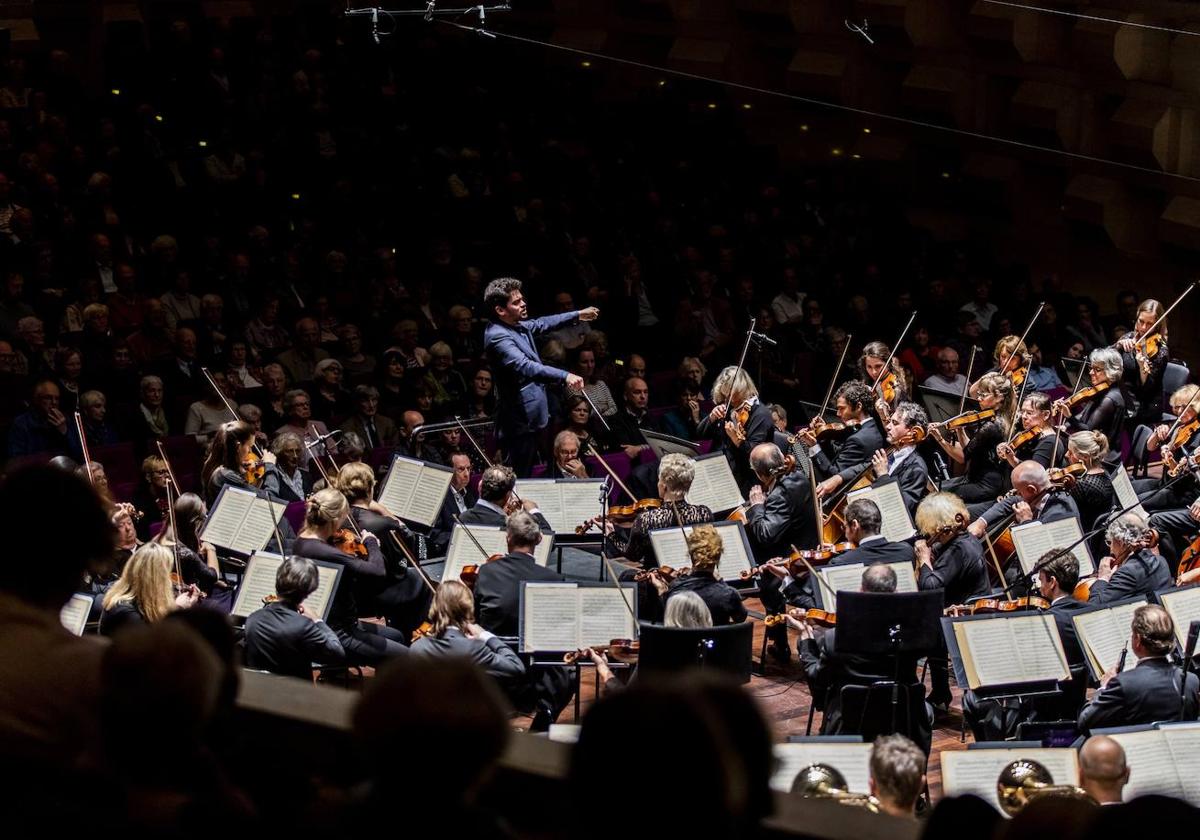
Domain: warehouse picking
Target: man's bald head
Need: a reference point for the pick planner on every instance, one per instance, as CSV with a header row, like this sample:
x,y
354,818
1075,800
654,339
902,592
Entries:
x,y
1032,474
1102,768
765,459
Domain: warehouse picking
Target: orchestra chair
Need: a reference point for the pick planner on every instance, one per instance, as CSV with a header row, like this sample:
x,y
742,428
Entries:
x,y
867,711
669,650
1175,376
1139,456
1049,733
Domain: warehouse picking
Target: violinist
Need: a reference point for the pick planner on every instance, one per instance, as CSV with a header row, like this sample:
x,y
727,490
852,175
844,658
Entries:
x,y
828,670
990,720
950,559
285,638
455,634
901,460
1012,361
497,607
748,423
229,455
143,594
197,559
686,611
284,480
983,478
675,475
892,388
1101,407
496,500
1163,493
853,405
402,596
150,495
365,643
1033,497
1131,567
1093,491
1036,440
723,601
1144,357
1150,691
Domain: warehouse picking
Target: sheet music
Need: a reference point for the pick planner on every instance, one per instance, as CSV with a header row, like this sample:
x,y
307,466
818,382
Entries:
x,y
565,504
714,485
670,548
602,616
1033,539
462,550
551,617
1184,743
897,524
1103,634
258,581
853,761
1151,763
849,579
226,516
1126,495
976,771
259,525
415,490
74,614
1184,607
1008,650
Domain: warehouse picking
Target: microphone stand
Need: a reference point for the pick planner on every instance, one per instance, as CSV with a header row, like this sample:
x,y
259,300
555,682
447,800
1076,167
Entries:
x,y
1189,652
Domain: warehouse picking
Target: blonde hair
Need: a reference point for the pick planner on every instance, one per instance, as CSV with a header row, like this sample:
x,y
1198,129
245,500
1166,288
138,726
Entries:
x,y
145,582
1187,395
325,507
677,472
939,510
736,381
705,546
356,481
453,606
1089,447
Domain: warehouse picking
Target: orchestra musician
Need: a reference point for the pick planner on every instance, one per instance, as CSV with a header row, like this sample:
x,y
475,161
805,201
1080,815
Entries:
x,y
1046,446
455,633
1150,691
496,500
229,451
893,387
285,638
1105,411
197,559
1103,771
1033,498
853,405
143,594
675,475
522,410
1165,493
998,720
748,425
1132,567
1011,358
897,775
1093,491
983,478
1143,371
723,601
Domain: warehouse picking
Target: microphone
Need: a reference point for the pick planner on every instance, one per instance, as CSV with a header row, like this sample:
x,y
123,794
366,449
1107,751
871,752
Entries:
x,y
763,337
375,24
319,439
429,10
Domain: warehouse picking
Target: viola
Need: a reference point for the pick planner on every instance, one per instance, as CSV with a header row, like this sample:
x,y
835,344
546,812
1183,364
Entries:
x,y
1083,589
347,542
967,418
664,573
622,650
821,618
253,469
795,561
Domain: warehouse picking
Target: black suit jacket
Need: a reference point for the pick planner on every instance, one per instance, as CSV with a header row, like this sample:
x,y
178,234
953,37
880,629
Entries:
x,y
786,518
498,591
759,428
439,535
826,669
803,593
1145,694
856,449
1074,690
1142,574
1058,506
480,515
280,640
958,569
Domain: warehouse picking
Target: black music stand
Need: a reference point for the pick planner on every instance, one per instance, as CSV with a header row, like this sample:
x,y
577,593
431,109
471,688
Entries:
x,y
889,624
670,650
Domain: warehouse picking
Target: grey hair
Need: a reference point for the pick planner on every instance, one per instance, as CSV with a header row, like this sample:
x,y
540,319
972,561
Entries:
x,y
283,439
1127,529
687,610
1110,361
90,398
296,579
522,530
677,471
766,458
879,578
364,392
150,379
290,397
733,380
911,414
496,483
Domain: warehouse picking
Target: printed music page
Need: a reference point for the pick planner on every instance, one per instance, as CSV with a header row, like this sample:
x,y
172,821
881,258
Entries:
x,y
1184,607
851,760
976,771
259,525
714,485
1151,763
462,550
1126,495
226,517
602,616
1103,634
988,649
849,579
545,492
897,524
1033,539
74,614
580,502
670,548
1041,647
415,490
399,484
257,583
549,617
1183,740
321,600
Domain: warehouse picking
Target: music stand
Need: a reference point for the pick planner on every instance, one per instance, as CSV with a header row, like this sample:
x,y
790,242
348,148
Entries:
x,y
942,405
663,444
889,624
670,650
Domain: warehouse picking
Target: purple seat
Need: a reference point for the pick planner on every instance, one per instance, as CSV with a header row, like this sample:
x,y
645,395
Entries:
x,y
294,514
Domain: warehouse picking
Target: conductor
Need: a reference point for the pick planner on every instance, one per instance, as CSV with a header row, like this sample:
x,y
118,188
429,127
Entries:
x,y
517,369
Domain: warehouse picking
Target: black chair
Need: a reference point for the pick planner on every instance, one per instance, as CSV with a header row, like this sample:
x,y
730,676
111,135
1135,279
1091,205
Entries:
x,y
1175,376
867,711
1051,733
669,650
1138,453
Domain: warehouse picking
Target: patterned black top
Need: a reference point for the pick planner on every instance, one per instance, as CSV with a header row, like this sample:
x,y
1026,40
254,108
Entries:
x,y
636,548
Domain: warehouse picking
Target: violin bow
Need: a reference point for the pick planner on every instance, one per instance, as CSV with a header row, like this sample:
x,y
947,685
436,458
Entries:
x,y
474,539
816,575
1166,312
1012,423
1024,335
962,403
462,427
1058,429
592,448
595,411
683,532
833,379
230,407
887,366
171,511
87,456
740,366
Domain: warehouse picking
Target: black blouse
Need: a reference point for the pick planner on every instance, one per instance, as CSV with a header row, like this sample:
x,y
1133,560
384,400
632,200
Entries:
x,y
1093,495
722,600
958,569
979,454
1145,397
343,613
1105,413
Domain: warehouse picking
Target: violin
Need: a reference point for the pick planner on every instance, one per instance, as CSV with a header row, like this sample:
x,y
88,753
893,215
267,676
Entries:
x,y
1083,589
1189,561
1000,605
795,561
1065,478
888,387
1017,377
821,618
470,571
622,650
1021,438
834,431
1083,395
424,630
347,542
621,514
967,418
664,573
1184,433
253,469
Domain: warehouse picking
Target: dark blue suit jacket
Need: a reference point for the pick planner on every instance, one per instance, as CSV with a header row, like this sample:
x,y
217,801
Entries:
x,y
519,374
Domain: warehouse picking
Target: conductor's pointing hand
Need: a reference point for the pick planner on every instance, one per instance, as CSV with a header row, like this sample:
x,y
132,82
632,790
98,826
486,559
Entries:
x,y
589,314
574,382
